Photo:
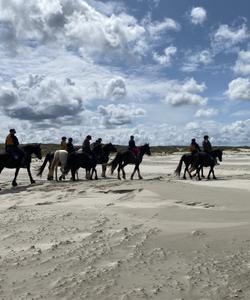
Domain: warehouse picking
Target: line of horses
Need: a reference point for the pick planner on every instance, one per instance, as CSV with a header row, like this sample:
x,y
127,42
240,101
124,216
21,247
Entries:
x,y
74,161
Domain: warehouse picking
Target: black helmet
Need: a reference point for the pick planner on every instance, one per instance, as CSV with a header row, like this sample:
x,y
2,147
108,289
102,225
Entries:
x,y
64,138
70,139
12,130
132,137
206,137
89,137
193,140
99,139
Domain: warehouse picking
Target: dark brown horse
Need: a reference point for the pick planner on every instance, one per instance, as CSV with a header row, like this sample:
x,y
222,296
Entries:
x,y
7,161
102,155
198,161
128,157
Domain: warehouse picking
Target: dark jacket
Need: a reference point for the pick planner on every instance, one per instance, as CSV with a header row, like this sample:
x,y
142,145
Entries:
x,y
131,144
207,147
194,147
86,146
70,147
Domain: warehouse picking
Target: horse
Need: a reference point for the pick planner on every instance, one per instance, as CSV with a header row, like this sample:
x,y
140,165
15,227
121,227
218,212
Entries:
x,y
7,161
60,158
83,160
198,161
102,155
128,157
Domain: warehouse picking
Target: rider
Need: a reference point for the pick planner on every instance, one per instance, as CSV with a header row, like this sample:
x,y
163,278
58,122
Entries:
x,y
97,147
194,147
86,147
11,146
132,147
207,147
70,146
64,143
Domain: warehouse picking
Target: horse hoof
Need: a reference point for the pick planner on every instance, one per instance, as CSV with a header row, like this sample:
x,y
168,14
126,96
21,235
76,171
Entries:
x,y
14,184
140,178
32,181
131,178
50,178
119,178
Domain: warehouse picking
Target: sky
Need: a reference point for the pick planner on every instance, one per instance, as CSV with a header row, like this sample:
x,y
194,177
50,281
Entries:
x,y
165,71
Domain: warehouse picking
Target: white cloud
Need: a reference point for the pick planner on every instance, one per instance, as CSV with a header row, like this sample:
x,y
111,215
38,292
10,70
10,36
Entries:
x,y
226,37
185,93
198,15
41,98
116,115
242,65
206,112
156,28
116,88
239,89
194,61
166,58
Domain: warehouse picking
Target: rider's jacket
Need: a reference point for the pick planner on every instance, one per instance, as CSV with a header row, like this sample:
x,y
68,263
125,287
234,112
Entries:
x,y
11,140
207,147
63,145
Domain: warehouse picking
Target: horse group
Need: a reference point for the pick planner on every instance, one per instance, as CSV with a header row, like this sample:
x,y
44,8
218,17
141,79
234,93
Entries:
x,y
79,159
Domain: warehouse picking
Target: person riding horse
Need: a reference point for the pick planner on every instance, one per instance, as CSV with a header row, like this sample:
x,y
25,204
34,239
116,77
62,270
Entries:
x,y
86,147
97,148
132,147
70,147
207,147
11,146
63,143
194,147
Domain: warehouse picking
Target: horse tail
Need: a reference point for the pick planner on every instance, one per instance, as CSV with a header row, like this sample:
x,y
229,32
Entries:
x,y
40,169
178,169
114,163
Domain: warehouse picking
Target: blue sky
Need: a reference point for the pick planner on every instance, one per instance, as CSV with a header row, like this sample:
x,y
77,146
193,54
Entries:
x,y
163,70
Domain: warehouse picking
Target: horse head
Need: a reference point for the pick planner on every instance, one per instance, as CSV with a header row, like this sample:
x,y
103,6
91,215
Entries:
x,y
219,154
146,149
33,149
109,148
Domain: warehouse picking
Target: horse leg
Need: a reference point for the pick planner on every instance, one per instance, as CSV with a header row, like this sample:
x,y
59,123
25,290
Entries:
x,y
30,176
133,173
14,180
139,173
202,174
104,168
186,170
123,172
198,173
214,177
96,177
118,172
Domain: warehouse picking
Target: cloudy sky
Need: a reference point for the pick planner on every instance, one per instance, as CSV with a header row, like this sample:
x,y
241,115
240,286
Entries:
x,y
163,70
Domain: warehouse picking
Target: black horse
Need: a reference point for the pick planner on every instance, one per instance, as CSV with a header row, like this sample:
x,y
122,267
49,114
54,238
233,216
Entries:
x,y
7,161
128,157
77,160
101,153
198,161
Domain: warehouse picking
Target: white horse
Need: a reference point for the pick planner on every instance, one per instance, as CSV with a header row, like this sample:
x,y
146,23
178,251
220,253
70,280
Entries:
x,y
60,159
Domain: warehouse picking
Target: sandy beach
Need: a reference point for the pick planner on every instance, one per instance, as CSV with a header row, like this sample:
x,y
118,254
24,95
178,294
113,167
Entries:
x,y
157,238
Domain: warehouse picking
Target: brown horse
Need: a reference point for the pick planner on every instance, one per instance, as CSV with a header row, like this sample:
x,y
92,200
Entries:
x,y
128,157
7,161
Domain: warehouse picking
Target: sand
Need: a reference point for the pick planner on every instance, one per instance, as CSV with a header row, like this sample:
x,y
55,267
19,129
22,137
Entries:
x,y
156,238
